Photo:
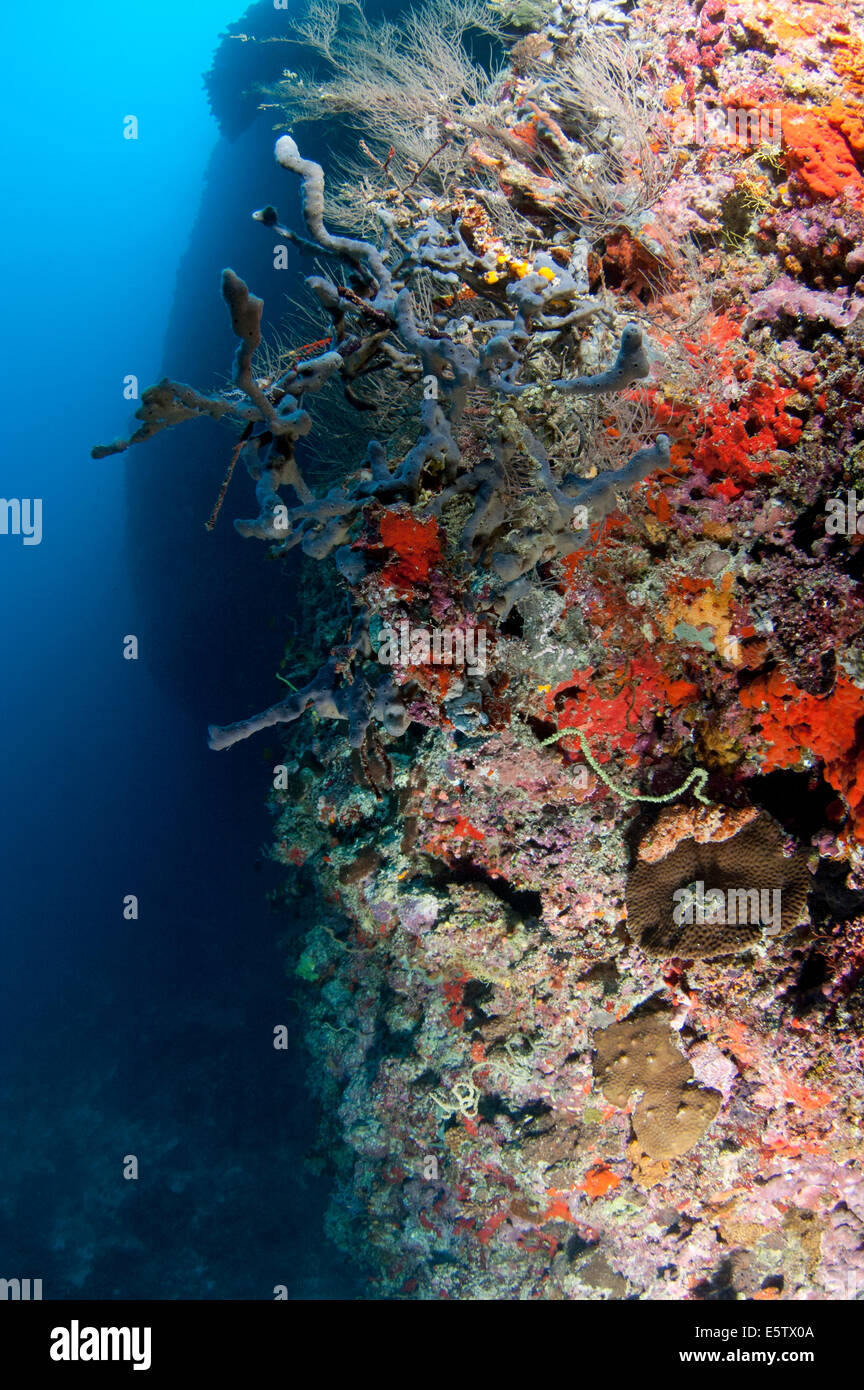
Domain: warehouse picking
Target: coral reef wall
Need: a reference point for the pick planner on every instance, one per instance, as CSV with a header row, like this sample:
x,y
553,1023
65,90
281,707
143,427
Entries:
x,y
570,756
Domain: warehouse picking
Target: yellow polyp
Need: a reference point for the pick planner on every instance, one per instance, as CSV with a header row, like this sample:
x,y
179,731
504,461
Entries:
x,y
491,277
547,273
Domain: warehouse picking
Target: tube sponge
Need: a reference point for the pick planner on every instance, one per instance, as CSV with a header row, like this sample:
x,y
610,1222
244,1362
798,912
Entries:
x,y
312,202
245,309
630,365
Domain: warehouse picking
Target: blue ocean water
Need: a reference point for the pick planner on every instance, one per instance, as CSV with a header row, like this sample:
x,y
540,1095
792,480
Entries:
x,y
148,1037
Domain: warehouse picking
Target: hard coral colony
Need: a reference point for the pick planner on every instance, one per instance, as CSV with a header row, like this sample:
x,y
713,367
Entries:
x,y
596,315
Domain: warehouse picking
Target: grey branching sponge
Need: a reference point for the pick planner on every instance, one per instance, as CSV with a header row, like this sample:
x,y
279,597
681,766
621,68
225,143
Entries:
x,y
454,366
587,500
630,365
337,691
375,324
170,403
312,199
246,309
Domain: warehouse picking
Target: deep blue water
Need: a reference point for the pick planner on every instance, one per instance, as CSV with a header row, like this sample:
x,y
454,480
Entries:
x,y
148,1037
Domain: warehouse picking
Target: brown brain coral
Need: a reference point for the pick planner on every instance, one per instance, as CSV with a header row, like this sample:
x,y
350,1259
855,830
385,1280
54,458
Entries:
x,y
738,854
640,1055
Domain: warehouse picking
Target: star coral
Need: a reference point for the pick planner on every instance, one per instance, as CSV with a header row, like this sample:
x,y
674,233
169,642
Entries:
x,y
672,1114
749,860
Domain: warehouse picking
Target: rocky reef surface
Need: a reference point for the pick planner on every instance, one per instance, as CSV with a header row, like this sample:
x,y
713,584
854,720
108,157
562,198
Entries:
x,y
576,775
